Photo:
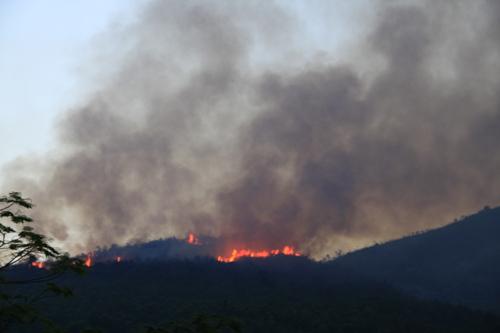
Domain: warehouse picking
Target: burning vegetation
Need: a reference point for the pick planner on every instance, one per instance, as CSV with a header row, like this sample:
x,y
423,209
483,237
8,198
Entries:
x,y
235,255
172,248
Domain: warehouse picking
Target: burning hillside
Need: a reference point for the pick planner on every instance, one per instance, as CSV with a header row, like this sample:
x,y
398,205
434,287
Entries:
x,y
260,254
173,248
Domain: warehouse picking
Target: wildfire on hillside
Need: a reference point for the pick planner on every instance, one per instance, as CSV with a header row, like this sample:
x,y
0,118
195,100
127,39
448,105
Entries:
x,y
188,247
287,250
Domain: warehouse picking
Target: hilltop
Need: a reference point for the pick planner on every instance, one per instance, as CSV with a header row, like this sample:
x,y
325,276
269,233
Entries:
x,y
457,263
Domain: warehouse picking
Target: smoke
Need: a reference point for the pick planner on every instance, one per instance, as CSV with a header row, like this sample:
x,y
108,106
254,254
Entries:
x,y
210,120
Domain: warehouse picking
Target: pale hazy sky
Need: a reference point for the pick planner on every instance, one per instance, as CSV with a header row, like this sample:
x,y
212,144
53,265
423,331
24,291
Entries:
x,y
46,46
42,45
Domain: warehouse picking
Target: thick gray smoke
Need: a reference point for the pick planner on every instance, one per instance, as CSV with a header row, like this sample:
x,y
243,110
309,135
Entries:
x,y
208,121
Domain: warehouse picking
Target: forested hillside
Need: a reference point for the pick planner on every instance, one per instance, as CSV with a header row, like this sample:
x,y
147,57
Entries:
x,y
457,263
276,294
406,285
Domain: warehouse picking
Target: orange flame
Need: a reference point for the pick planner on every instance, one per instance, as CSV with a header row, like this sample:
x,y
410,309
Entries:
x,y
287,250
39,264
118,259
88,262
193,240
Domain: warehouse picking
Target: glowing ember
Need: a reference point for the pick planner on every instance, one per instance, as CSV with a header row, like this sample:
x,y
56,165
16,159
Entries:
x,y
39,264
287,250
193,240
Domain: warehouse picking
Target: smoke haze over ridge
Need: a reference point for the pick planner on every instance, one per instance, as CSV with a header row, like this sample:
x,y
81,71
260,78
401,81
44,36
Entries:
x,y
210,118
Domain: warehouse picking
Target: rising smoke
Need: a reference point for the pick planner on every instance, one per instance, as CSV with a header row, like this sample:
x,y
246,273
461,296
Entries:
x,y
209,120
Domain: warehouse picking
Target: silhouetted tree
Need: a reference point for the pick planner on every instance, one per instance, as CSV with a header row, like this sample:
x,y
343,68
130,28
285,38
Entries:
x,y
20,244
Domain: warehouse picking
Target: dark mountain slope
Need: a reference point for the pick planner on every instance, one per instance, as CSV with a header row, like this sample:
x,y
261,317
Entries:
x,y
458,263
276,294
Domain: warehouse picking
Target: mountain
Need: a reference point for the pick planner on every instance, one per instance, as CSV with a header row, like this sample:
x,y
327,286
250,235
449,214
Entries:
x,y
274,294
458,263
405,285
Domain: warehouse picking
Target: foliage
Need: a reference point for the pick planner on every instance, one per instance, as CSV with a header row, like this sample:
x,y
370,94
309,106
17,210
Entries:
x,y
263,295
198,324
456,263
20,244
278,294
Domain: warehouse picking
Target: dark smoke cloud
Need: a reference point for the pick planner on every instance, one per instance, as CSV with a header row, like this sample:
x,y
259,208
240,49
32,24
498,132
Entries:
x,y
193,133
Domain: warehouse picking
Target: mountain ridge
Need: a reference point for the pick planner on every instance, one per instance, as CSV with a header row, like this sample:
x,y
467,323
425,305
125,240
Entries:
x,y
455,263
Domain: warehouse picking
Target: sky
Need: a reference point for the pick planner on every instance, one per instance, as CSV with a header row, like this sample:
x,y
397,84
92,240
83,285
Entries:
x,y
324,125
42,46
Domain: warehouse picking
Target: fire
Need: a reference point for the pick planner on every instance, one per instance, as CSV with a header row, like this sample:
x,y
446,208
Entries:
x,y
193,240
118,259
45,265
287,250
39,265
88,262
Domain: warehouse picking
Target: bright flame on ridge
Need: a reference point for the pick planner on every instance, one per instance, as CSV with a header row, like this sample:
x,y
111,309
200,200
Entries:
x,y
287,250
88,262
193,240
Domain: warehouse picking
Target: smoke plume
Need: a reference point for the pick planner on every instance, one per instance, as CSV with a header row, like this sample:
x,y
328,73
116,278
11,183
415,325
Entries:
x,y
208,119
